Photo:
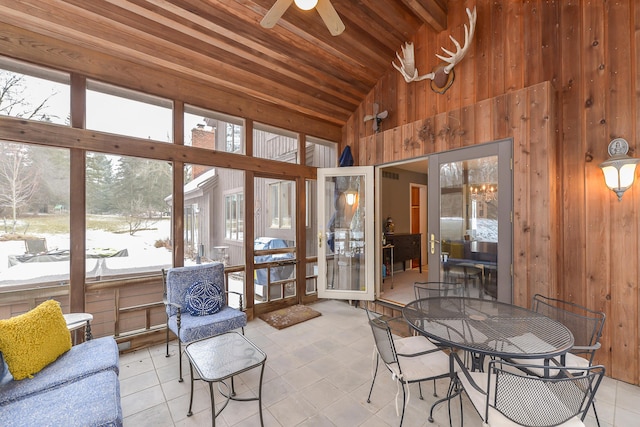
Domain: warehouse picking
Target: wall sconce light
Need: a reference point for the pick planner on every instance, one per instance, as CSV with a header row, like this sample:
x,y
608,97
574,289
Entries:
x,y
351,196
620,170
351,193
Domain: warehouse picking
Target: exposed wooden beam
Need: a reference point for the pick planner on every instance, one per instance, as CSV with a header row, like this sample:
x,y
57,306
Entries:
x,y
433,12
39,49
53,135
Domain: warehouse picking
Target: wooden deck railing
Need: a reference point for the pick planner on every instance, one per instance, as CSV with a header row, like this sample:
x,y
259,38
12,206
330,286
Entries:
x,y
130,309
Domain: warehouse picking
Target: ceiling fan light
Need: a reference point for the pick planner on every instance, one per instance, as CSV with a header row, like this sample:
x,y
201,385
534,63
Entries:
x,y
306,4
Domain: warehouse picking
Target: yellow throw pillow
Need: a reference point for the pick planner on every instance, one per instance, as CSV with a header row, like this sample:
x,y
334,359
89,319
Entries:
x,y
32,340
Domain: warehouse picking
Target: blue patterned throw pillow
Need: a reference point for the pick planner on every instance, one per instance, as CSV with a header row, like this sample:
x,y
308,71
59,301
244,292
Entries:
x,y
204,298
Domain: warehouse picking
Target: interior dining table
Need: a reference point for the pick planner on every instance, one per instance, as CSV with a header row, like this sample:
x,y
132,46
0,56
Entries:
x,y
488,328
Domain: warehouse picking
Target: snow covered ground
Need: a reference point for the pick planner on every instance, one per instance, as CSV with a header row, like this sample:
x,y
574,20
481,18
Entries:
x,y
142,257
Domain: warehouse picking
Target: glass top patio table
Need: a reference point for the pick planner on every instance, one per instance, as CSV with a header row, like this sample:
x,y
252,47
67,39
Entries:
x,y
488,327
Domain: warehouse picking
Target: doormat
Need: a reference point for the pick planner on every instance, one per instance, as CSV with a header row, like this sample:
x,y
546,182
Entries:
x,y
286,317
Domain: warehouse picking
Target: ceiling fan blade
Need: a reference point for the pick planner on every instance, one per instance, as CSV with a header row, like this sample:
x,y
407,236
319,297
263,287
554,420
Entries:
x,y
376,107
330,17
383,115
275,13
368,117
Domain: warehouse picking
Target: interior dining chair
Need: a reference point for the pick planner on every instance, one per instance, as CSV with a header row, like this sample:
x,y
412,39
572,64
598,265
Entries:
x,y
197,304
411,360
437,289
504,395
586,326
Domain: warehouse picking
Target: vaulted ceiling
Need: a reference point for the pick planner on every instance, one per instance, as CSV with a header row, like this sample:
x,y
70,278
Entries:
x,y
297,65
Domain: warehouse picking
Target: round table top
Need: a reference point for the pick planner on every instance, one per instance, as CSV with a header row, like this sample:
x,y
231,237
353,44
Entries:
x,y
488,327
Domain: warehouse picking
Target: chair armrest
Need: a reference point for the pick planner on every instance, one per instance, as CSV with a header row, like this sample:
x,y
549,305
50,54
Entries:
x,y
586,348
420,353
178,308
239,297
172,304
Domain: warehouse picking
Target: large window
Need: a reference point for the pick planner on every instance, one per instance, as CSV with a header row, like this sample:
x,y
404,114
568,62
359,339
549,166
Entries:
x,y
34,202
321,153
34,93
234,216
128,219
275,144
214,131
214,219
126,112
280,209
129,201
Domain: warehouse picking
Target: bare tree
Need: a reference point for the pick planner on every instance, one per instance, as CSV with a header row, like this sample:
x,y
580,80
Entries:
x,y
14,102
18,180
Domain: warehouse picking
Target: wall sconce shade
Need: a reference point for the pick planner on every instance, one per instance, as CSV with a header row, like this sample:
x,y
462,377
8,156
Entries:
x,y
351,197
620,170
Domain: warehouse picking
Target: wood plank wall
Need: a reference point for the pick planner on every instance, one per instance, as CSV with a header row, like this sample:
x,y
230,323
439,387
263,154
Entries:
x,y
589,53
530,121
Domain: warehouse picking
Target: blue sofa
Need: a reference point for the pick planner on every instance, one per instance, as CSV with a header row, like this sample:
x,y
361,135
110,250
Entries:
x,y
80,388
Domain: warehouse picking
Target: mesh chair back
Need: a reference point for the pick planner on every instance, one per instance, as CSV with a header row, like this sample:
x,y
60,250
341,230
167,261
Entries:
x,y
383,340
437,289
585,324
537,401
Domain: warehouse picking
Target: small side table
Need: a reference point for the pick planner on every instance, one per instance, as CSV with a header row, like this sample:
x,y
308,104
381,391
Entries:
x,y
221,357
76,321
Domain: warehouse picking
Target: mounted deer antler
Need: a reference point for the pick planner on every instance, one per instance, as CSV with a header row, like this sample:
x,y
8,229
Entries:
x,y
442,76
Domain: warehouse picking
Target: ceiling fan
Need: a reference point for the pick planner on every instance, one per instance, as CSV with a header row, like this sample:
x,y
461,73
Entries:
x,y
324,8
376,117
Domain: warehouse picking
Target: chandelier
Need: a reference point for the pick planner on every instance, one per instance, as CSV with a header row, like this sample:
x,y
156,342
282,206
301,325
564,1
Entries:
x,y
484,192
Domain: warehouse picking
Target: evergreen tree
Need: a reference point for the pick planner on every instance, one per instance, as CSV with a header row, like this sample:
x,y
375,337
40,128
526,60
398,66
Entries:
x,y
141,187
99,179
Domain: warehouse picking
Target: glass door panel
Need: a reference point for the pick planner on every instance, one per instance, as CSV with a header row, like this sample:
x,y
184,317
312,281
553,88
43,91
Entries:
x,y
274,247
345,237
470,233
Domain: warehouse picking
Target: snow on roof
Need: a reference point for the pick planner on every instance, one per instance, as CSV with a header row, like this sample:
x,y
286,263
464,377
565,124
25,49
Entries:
x,y
194,185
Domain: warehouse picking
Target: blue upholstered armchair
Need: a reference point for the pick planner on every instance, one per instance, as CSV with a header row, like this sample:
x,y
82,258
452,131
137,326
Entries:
x,y
197,304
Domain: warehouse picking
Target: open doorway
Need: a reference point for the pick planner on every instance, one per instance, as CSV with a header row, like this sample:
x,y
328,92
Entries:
x,y
403,195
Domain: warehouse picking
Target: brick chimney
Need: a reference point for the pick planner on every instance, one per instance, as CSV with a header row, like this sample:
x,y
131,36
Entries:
x,y
202,138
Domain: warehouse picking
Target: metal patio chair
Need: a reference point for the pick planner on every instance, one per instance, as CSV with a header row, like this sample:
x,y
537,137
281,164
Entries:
x,y
188,327
505,395
35,246
411,360
586,326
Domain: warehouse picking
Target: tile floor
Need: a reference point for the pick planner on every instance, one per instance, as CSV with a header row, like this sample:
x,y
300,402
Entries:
x,y
317,373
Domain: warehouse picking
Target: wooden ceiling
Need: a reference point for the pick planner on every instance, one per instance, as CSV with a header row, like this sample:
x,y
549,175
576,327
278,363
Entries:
x,y
297,65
